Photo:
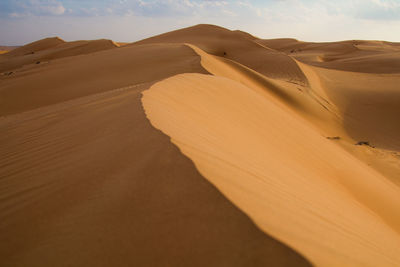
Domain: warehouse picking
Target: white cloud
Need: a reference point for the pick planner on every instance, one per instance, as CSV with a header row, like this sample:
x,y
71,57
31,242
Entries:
x,y
38,8
53,8
16,15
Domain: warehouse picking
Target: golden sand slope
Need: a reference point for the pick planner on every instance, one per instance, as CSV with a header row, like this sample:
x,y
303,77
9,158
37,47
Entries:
x,y
294,183
250,142
85,180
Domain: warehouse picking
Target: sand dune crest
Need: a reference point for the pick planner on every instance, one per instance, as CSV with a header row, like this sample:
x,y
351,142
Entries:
x,y
294,183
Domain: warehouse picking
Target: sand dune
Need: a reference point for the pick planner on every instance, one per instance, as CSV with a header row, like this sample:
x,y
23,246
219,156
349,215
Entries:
x,y
37,46
236,46
50,49
74,77
200,147
85,179
355,55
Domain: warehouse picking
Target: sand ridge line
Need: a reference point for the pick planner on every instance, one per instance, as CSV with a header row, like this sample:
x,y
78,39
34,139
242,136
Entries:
x,y
108,189
256,135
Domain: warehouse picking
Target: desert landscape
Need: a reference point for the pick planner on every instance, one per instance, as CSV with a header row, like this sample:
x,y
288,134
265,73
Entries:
x,y
203,146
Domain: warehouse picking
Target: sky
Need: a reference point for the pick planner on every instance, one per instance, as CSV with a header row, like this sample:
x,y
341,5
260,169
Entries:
x,y
24,21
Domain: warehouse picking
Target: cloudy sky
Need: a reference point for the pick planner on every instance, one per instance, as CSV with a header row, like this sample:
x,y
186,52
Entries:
x,y
23,21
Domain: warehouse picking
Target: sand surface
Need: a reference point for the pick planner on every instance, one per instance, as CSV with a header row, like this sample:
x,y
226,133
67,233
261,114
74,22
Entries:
x,y
200,147
87,181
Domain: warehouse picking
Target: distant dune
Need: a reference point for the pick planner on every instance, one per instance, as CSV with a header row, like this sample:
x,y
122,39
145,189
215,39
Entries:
x,y
200,147
355,55
237,46
50,49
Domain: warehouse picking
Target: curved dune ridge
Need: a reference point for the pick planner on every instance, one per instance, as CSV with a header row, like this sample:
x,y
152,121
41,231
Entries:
x,y
200,147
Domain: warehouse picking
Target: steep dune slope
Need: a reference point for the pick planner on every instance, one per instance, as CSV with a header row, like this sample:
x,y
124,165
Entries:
x,y
236,46
294,183
86,181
